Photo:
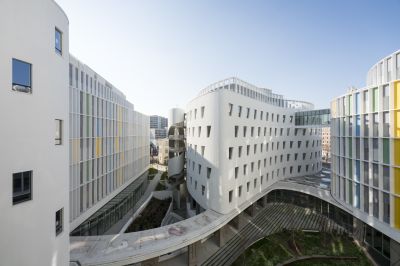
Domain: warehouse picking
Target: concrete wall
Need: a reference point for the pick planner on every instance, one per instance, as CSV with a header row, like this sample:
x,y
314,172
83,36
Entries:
x,y
27,135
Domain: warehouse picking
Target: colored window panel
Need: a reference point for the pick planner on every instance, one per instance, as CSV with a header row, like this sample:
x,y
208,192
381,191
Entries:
x,y
396,201
396,124
397,95
375,100
396,181
386,151
396,149
358,125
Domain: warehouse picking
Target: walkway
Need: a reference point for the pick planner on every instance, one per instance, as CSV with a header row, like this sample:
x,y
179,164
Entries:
x,y
116,228
269,220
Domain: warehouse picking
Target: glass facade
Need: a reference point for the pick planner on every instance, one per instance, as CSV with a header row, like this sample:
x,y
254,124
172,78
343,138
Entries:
x,y
315,117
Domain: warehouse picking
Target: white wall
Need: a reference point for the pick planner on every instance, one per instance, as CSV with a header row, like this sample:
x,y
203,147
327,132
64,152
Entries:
x,y
222,179
27,230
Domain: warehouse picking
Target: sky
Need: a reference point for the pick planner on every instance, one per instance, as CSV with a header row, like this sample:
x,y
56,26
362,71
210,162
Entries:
x,y
160,54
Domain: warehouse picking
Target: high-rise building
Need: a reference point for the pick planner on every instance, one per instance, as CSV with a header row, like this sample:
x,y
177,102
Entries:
x,y
326,144
157,121
366,154
242,139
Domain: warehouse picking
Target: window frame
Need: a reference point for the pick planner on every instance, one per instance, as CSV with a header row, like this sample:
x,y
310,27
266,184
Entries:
x,y
59,227
23,197
58,51
27,88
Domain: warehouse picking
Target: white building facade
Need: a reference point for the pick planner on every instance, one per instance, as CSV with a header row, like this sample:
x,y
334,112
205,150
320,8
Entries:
x,y
34,58
242,139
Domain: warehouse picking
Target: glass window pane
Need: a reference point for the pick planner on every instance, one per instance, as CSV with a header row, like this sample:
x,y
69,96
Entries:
x,y
21,73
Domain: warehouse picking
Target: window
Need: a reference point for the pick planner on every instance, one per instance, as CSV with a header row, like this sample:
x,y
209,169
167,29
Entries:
x,y
59,221
21,76
202,111
58,41
230,196
236,172
236,131
22,187
240,191
240,111
208,131
199,132
230,153
208,172
230,109
58,135
203,189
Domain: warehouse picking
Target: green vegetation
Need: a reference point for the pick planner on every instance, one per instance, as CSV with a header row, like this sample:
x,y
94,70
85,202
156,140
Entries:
x,y
151,217
280,247
152,171
160,187
164,175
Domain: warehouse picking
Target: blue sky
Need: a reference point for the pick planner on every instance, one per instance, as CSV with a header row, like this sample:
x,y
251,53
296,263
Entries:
x,y
161,53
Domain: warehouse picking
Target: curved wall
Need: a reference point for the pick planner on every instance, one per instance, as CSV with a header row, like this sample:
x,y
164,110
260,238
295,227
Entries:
x,y
220,181
366,149
28,132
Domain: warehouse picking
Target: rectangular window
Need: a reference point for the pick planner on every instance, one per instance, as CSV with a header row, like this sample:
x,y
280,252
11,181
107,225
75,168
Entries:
x,y
208,172
208,131
202,111
239,111
236,172
240,191
236,131
230,196
59,221
21,76
58,41
230,109
22,187
203,189
58,133
230,153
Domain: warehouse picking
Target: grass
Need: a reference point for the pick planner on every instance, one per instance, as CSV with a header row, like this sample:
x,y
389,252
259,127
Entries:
x,y
280,247
151,217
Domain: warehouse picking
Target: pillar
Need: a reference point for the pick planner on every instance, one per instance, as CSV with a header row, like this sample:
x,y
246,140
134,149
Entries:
x,y
251,210
222,235
193,249
150,262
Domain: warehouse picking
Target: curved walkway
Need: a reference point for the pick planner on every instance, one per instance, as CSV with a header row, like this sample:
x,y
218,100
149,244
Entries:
x,y
269,220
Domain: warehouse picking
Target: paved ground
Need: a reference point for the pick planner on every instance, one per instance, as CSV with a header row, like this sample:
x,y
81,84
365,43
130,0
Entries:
x,y
269,220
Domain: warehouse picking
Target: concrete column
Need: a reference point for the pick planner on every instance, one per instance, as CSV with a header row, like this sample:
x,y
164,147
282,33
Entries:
x,y
193,249
150,262
222,236
239,221
394,252
263,201
251,210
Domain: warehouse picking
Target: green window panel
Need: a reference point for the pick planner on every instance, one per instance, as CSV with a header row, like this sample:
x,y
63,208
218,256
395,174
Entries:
x,y
386,151
375,100
350,145
350,169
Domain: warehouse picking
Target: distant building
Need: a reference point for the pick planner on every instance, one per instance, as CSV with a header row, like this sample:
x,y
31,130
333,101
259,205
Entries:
x,y
326,143
162,151
158,122
158,133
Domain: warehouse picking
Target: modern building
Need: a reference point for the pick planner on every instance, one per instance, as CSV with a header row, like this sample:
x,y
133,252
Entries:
x,y
157,121
72,141
158,128
326,144
366,154
109,142
177,143
242,139
163,150
34,57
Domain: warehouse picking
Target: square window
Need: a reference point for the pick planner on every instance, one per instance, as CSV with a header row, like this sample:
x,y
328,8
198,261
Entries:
x,y
58,41
59,221
22,187
21,76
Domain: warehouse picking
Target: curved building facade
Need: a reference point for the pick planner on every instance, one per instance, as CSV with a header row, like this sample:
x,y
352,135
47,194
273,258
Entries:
x,y
34,58
366,148
176,142
242,139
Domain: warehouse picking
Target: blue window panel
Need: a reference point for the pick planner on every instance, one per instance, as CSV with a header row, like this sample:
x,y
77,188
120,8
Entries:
x,y
357,196
357,103
357,172
21,73
58,41
358,123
